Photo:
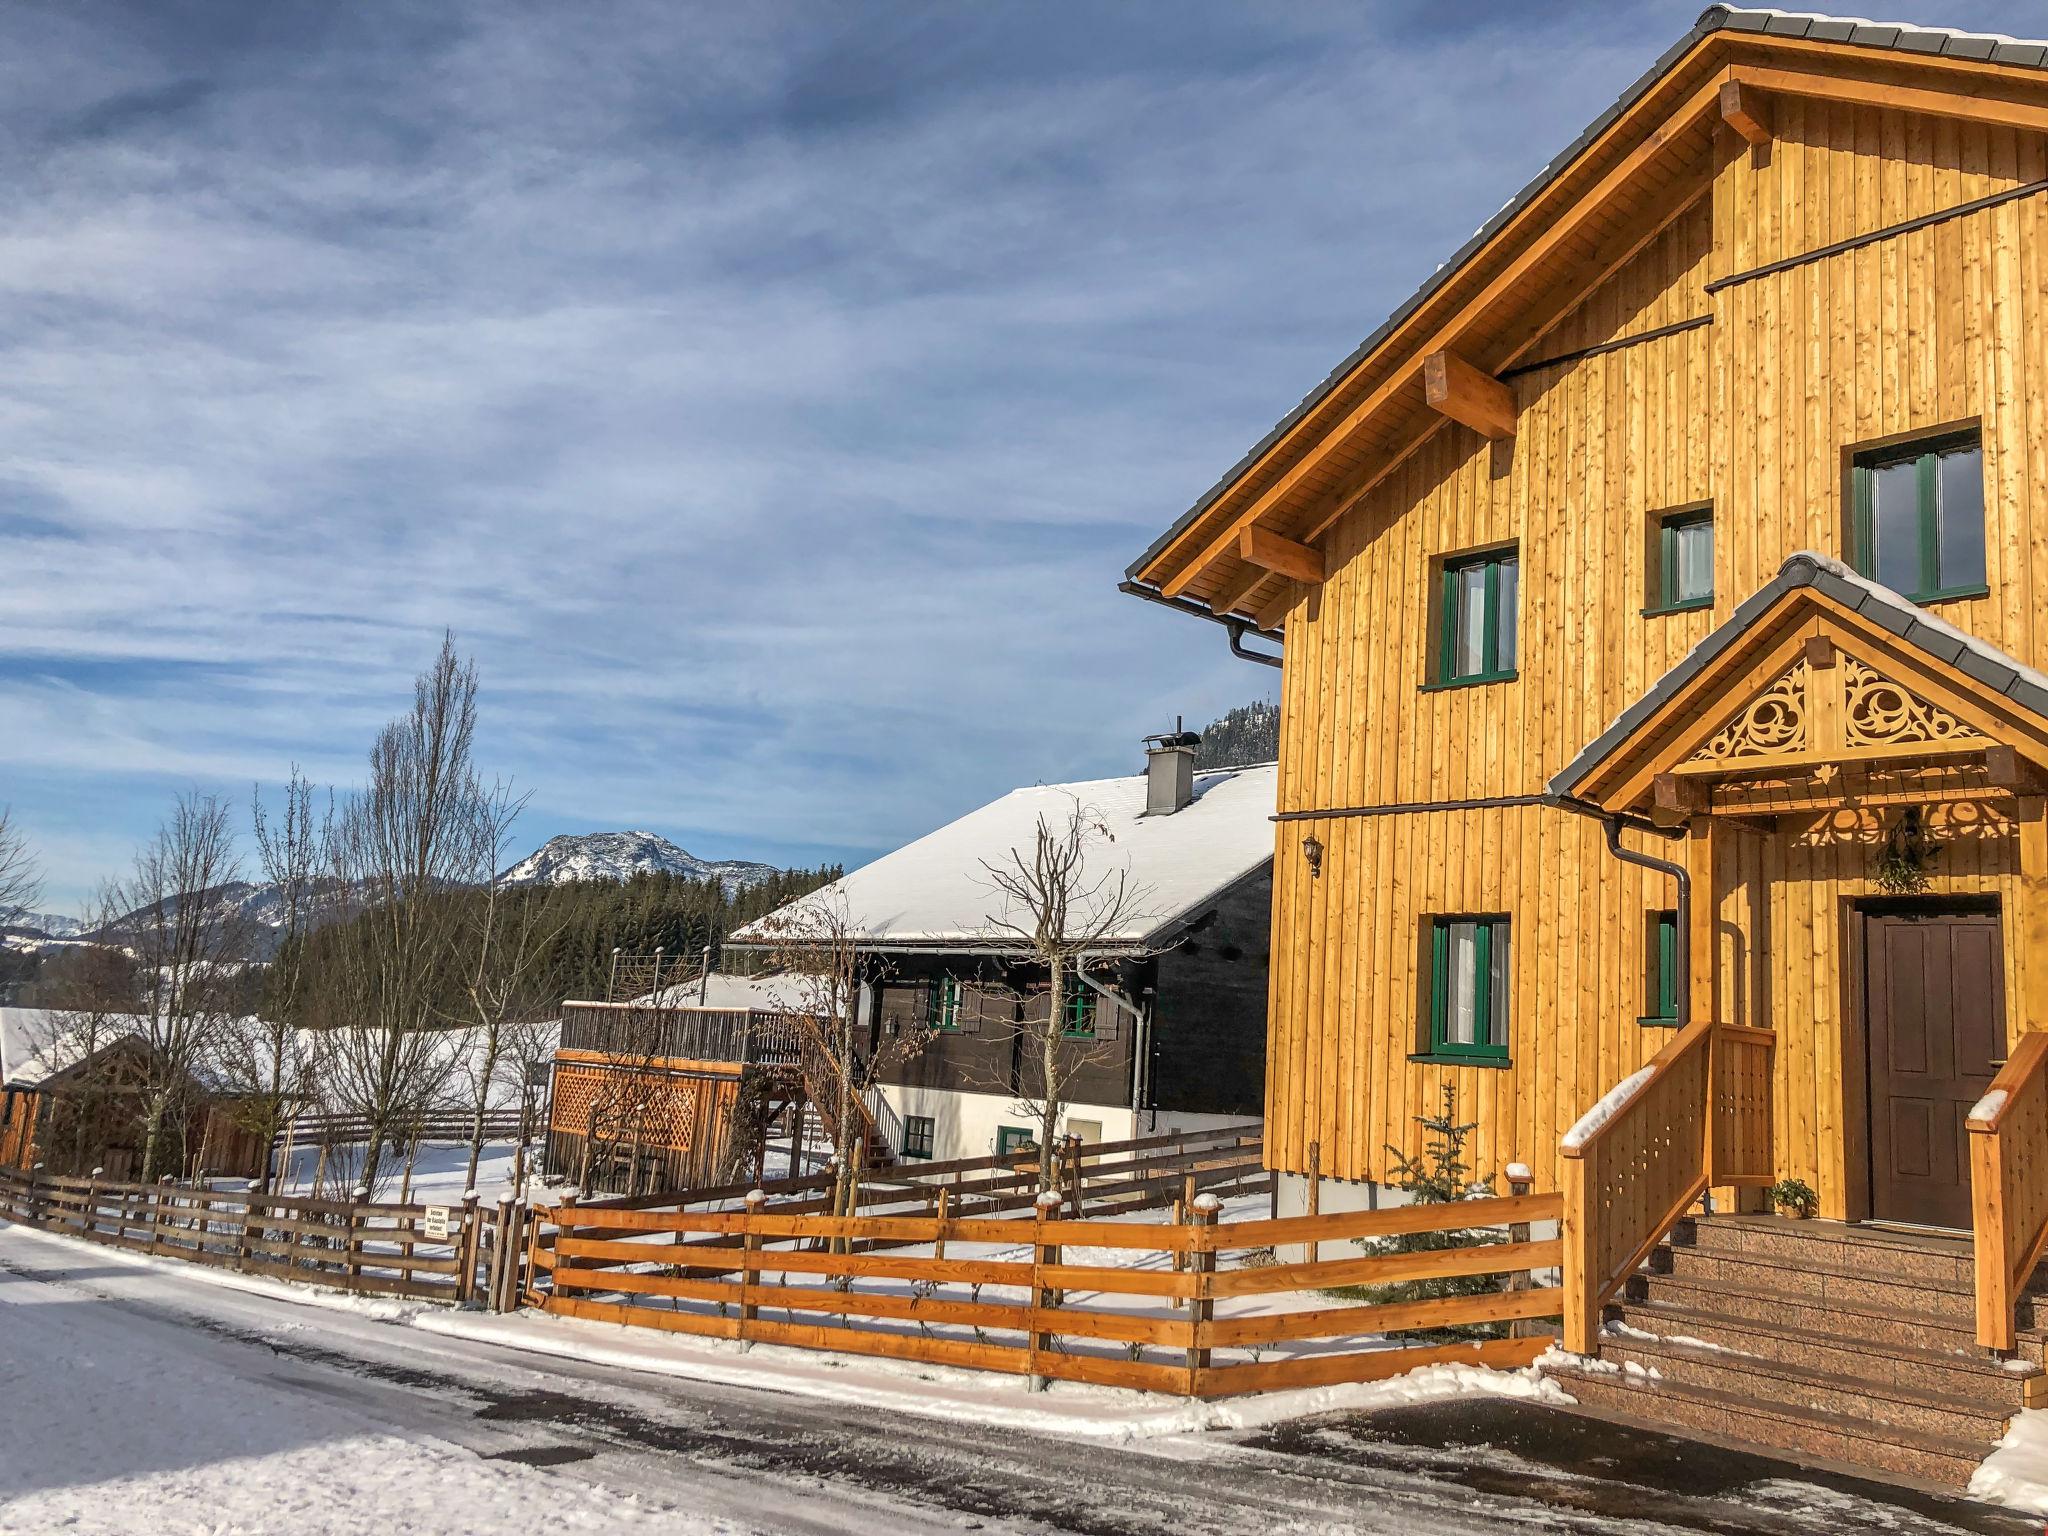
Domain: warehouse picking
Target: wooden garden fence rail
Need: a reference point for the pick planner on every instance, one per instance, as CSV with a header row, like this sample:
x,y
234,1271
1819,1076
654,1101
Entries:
x,y
2009,1187
1160,1313
438,1125
373,1248
1698,1115
1108,1178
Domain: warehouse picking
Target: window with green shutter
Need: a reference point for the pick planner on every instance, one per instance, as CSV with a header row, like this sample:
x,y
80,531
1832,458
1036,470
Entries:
x,y
1476,635
1010,1137
1077,1011
1685,562
1468,992
945,1004
1660,989
1918,518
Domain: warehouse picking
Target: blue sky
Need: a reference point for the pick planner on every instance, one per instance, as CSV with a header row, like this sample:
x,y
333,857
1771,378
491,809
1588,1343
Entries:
x,y
769,396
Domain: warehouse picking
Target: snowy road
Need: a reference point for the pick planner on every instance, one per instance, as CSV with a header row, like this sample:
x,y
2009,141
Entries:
x,y
152,1399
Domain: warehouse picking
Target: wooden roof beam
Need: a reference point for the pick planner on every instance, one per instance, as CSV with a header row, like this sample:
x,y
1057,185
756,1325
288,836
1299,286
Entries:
x,y
1893,95
1234,594
1748,111
1467,394
1269,551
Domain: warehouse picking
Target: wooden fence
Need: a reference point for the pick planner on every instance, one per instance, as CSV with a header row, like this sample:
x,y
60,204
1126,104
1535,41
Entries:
x,y
436,1125
1189,1306
377,1249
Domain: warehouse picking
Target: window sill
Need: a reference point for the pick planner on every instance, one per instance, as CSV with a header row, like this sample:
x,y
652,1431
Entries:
x,y
1697,605
1657,1021
1470,682
1948,595
1443,1059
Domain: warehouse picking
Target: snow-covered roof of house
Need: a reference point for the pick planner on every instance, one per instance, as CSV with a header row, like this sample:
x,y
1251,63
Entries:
x,y
38,1043
936,892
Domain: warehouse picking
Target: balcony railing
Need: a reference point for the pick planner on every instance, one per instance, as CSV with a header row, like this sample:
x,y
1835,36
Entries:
x,y
631,1032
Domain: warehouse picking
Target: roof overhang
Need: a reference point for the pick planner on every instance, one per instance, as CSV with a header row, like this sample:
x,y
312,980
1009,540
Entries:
x,y
1254,542
1824,689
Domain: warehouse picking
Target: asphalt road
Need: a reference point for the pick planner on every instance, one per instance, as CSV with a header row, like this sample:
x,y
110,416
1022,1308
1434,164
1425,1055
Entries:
x,y
753,1460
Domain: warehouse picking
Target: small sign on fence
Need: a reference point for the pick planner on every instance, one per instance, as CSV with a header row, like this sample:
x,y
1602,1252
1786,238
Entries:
x,y
434,1223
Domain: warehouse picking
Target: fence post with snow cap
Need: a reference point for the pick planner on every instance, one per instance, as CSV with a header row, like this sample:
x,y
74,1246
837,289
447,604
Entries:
x,y
466,1246
1044,1255
1202,1306
1521,1180
750,1246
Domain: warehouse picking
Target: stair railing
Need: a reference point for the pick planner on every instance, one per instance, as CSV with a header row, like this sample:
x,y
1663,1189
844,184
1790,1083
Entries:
x,y
1698,1115
2009,1188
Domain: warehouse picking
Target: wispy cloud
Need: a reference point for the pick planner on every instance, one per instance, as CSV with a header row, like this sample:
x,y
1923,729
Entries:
x,y
769,395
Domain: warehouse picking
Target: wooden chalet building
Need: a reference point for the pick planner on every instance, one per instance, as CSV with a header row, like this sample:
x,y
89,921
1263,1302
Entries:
x,y
1168,1031
1662,591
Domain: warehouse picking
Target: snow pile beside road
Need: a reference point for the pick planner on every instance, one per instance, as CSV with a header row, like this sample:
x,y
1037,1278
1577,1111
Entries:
x,y
935,1391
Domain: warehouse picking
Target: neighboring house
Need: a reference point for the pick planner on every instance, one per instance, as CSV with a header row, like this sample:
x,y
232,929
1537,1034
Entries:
x,y
72,1109
1535,554
1168,1030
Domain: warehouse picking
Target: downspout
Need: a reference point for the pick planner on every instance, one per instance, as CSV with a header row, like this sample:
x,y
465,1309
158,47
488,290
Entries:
x,y
1613,822
1141,1032
1238,628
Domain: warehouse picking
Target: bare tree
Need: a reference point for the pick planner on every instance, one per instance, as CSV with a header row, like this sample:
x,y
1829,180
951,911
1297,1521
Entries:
x,y
191,942
815,945
509,936
1057,909
402,846
21,883
265,1061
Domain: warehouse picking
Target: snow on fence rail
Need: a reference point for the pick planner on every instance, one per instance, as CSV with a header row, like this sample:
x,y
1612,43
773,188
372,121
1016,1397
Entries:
x,y
1192,1307
374,1248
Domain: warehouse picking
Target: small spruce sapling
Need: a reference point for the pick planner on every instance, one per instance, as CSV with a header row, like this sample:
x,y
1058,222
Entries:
x,y
1440,1176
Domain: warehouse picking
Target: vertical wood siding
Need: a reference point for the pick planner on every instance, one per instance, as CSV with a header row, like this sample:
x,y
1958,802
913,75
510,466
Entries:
x,y
1753,414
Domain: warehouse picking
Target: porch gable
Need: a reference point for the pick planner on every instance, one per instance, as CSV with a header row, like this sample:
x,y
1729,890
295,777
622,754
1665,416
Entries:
x,y
1822,683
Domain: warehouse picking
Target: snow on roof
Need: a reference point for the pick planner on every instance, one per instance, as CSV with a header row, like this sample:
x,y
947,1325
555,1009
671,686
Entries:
x,y
935,891
776,992
36,1043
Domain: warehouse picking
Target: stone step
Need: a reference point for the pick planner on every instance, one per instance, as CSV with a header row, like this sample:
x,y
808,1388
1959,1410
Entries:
x,y
1746,1297
1799,1434
1816,1285
1842,1346
1775,1382
1945,1262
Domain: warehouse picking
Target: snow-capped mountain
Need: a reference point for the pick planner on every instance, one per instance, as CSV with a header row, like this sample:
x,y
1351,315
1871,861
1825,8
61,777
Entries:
x,y
47,925
621,855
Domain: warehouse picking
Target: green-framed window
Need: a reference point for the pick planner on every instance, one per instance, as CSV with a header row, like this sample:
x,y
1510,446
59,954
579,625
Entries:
x,y
1919,517
1476,638
945,1003
1685,561
918,1131
1468,993
1077,1011
1660,981
1009,1138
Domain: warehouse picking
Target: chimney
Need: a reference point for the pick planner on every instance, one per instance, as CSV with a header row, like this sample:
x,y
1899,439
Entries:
x,y
1170,770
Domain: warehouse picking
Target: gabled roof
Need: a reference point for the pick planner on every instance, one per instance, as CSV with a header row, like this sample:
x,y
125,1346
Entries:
x,y
1637,125
936,894
1989,669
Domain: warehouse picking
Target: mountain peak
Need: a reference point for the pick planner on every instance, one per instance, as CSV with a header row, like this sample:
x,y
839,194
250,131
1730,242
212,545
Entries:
x,y
622,855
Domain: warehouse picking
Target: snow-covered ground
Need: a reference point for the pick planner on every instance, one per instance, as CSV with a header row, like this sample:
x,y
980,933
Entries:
x,y
151,1396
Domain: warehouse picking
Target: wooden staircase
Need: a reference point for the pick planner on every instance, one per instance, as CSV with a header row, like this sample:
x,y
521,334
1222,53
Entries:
x,y
1844,1346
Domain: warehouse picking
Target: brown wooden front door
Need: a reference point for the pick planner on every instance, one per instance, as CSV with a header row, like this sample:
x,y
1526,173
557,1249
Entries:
x,y
1935,1002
